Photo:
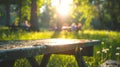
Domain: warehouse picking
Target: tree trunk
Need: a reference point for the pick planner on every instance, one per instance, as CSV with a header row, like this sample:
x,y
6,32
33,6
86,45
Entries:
x,y
19,6
7,13
100,15
34,18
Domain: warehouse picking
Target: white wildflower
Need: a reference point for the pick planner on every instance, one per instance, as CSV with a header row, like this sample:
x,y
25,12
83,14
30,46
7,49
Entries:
x,y
117,53
118,48
105,50
110,46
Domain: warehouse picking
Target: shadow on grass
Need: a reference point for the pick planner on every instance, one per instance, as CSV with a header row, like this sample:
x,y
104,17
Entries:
x,y
55,34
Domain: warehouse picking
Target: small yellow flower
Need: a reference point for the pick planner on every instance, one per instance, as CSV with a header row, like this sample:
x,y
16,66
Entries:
x,y
98,52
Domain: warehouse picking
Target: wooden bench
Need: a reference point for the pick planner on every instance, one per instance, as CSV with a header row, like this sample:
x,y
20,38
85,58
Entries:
x,y
12,50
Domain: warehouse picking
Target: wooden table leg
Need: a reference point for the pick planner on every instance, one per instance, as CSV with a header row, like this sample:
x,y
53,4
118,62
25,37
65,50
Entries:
x,y
45,60
33,62
79,58
7,63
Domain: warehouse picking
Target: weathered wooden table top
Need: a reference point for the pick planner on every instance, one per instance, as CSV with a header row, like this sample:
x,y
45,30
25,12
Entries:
x,y
14,49
16,44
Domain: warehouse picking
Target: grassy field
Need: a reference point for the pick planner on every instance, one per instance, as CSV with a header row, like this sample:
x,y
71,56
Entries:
x,y
109,48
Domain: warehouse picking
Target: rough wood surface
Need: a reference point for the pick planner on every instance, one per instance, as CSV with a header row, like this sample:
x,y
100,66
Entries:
x,y
26,48
16,44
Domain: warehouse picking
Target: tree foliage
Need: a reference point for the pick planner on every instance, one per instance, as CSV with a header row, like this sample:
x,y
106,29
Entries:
x,y
111,15
30,12
84,12
106,12
26,8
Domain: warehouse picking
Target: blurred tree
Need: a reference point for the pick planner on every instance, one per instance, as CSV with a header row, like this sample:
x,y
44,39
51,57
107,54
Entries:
x,y
84,12
29,10
2,14
105,11
7,12
25,9
34,18
111,10
45,15
108,13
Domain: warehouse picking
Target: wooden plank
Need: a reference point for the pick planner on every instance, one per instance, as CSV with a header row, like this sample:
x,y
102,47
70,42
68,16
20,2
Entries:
x,y
45,60
87,51
8,63
79,58
32,61
21,53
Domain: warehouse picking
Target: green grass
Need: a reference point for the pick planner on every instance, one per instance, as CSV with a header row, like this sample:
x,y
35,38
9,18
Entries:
x,y
109,48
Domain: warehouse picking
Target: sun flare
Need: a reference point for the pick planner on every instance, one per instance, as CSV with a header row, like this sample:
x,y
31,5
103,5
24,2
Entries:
x,y
63,6
63,10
